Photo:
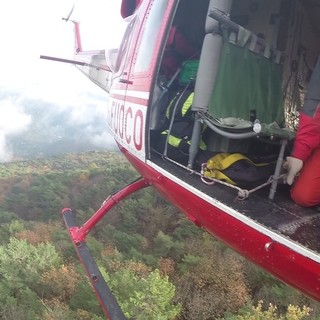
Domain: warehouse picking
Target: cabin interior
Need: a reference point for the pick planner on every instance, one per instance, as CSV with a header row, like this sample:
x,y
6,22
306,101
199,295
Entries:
x,y
244,81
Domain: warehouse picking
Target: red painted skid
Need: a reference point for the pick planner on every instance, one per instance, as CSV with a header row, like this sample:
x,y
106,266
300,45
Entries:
x,y
78,235
274,257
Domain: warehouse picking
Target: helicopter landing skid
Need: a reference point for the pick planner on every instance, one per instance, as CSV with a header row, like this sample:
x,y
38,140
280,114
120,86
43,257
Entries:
x,y
78,235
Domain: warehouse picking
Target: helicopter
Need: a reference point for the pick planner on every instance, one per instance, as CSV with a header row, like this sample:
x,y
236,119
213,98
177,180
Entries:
x,y
248,68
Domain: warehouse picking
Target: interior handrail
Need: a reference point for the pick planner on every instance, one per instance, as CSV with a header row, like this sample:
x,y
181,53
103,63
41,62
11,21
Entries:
x,y
257,129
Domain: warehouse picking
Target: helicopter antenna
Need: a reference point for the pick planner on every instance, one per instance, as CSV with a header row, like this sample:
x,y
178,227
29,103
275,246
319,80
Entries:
x,y
69,15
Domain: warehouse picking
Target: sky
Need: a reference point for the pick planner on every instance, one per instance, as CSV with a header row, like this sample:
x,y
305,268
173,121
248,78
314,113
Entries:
x,y
32,28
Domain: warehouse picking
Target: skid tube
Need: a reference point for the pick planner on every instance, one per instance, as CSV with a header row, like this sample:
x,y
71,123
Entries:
x,y
78,235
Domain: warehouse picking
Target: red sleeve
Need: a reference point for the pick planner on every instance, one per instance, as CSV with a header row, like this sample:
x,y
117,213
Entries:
x,y
308,135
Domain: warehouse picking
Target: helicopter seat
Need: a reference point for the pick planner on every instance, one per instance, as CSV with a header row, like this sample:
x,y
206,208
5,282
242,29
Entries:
x,y
235,81
246,99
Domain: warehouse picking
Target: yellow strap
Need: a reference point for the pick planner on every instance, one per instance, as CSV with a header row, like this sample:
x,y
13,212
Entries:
x,y
222,161
232,158
218,175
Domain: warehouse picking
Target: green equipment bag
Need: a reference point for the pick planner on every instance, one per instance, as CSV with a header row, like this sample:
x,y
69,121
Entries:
x,y
237,169
188,72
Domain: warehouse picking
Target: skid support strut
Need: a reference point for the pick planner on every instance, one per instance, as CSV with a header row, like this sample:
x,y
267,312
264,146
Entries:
x,y
78,235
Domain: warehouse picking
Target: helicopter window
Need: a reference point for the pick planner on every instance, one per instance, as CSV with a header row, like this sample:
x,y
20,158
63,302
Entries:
x,y
123,50
149,38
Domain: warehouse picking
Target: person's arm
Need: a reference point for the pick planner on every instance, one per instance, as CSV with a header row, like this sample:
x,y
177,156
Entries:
x,y
307,139
308,135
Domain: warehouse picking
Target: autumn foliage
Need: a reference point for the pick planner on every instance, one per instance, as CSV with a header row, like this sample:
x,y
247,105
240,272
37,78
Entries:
x,y
157,263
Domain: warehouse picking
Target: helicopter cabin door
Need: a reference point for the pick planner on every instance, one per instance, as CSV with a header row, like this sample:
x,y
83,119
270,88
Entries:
x,y
136,73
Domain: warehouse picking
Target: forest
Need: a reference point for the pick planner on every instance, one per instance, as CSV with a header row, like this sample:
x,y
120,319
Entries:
x,y
157,263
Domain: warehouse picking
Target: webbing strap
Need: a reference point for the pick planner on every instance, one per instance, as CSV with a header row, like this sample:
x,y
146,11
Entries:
x,y
222,161
216,174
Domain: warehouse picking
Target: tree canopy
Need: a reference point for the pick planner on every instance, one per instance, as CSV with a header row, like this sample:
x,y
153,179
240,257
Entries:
x,y
157,263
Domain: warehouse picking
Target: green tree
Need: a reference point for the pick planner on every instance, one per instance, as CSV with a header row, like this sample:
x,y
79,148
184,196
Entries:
x,y
21,262
144,298
166,246
21,267
265,287
211,282
6,216
15,226
271,313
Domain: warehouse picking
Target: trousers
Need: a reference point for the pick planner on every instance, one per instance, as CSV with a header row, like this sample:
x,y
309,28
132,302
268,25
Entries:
x,y
306,188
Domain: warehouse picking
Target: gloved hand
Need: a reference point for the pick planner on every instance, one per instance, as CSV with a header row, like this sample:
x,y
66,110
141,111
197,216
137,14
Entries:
x,y
293,166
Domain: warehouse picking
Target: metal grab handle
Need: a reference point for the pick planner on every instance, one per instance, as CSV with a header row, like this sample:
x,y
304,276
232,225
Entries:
x,y
127,81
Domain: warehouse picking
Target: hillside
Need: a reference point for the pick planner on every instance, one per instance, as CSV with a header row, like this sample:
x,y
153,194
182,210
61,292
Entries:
x,y
38,189
157,262
61,164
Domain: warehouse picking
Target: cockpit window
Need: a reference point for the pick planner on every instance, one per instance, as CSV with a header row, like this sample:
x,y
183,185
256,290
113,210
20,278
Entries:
x,y
123,50
151,29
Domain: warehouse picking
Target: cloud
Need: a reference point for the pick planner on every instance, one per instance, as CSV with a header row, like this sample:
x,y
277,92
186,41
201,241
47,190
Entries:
x,y
5,153
13,121
52,103
36,122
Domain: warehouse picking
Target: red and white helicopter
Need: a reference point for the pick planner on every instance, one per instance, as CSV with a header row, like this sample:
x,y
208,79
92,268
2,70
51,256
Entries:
x,y
250,63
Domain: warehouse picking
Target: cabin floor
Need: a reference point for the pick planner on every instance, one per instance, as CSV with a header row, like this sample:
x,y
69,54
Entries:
x,y
282,215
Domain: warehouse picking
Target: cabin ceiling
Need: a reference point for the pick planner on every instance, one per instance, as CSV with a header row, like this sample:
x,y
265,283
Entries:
x,y
311,2
313,12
